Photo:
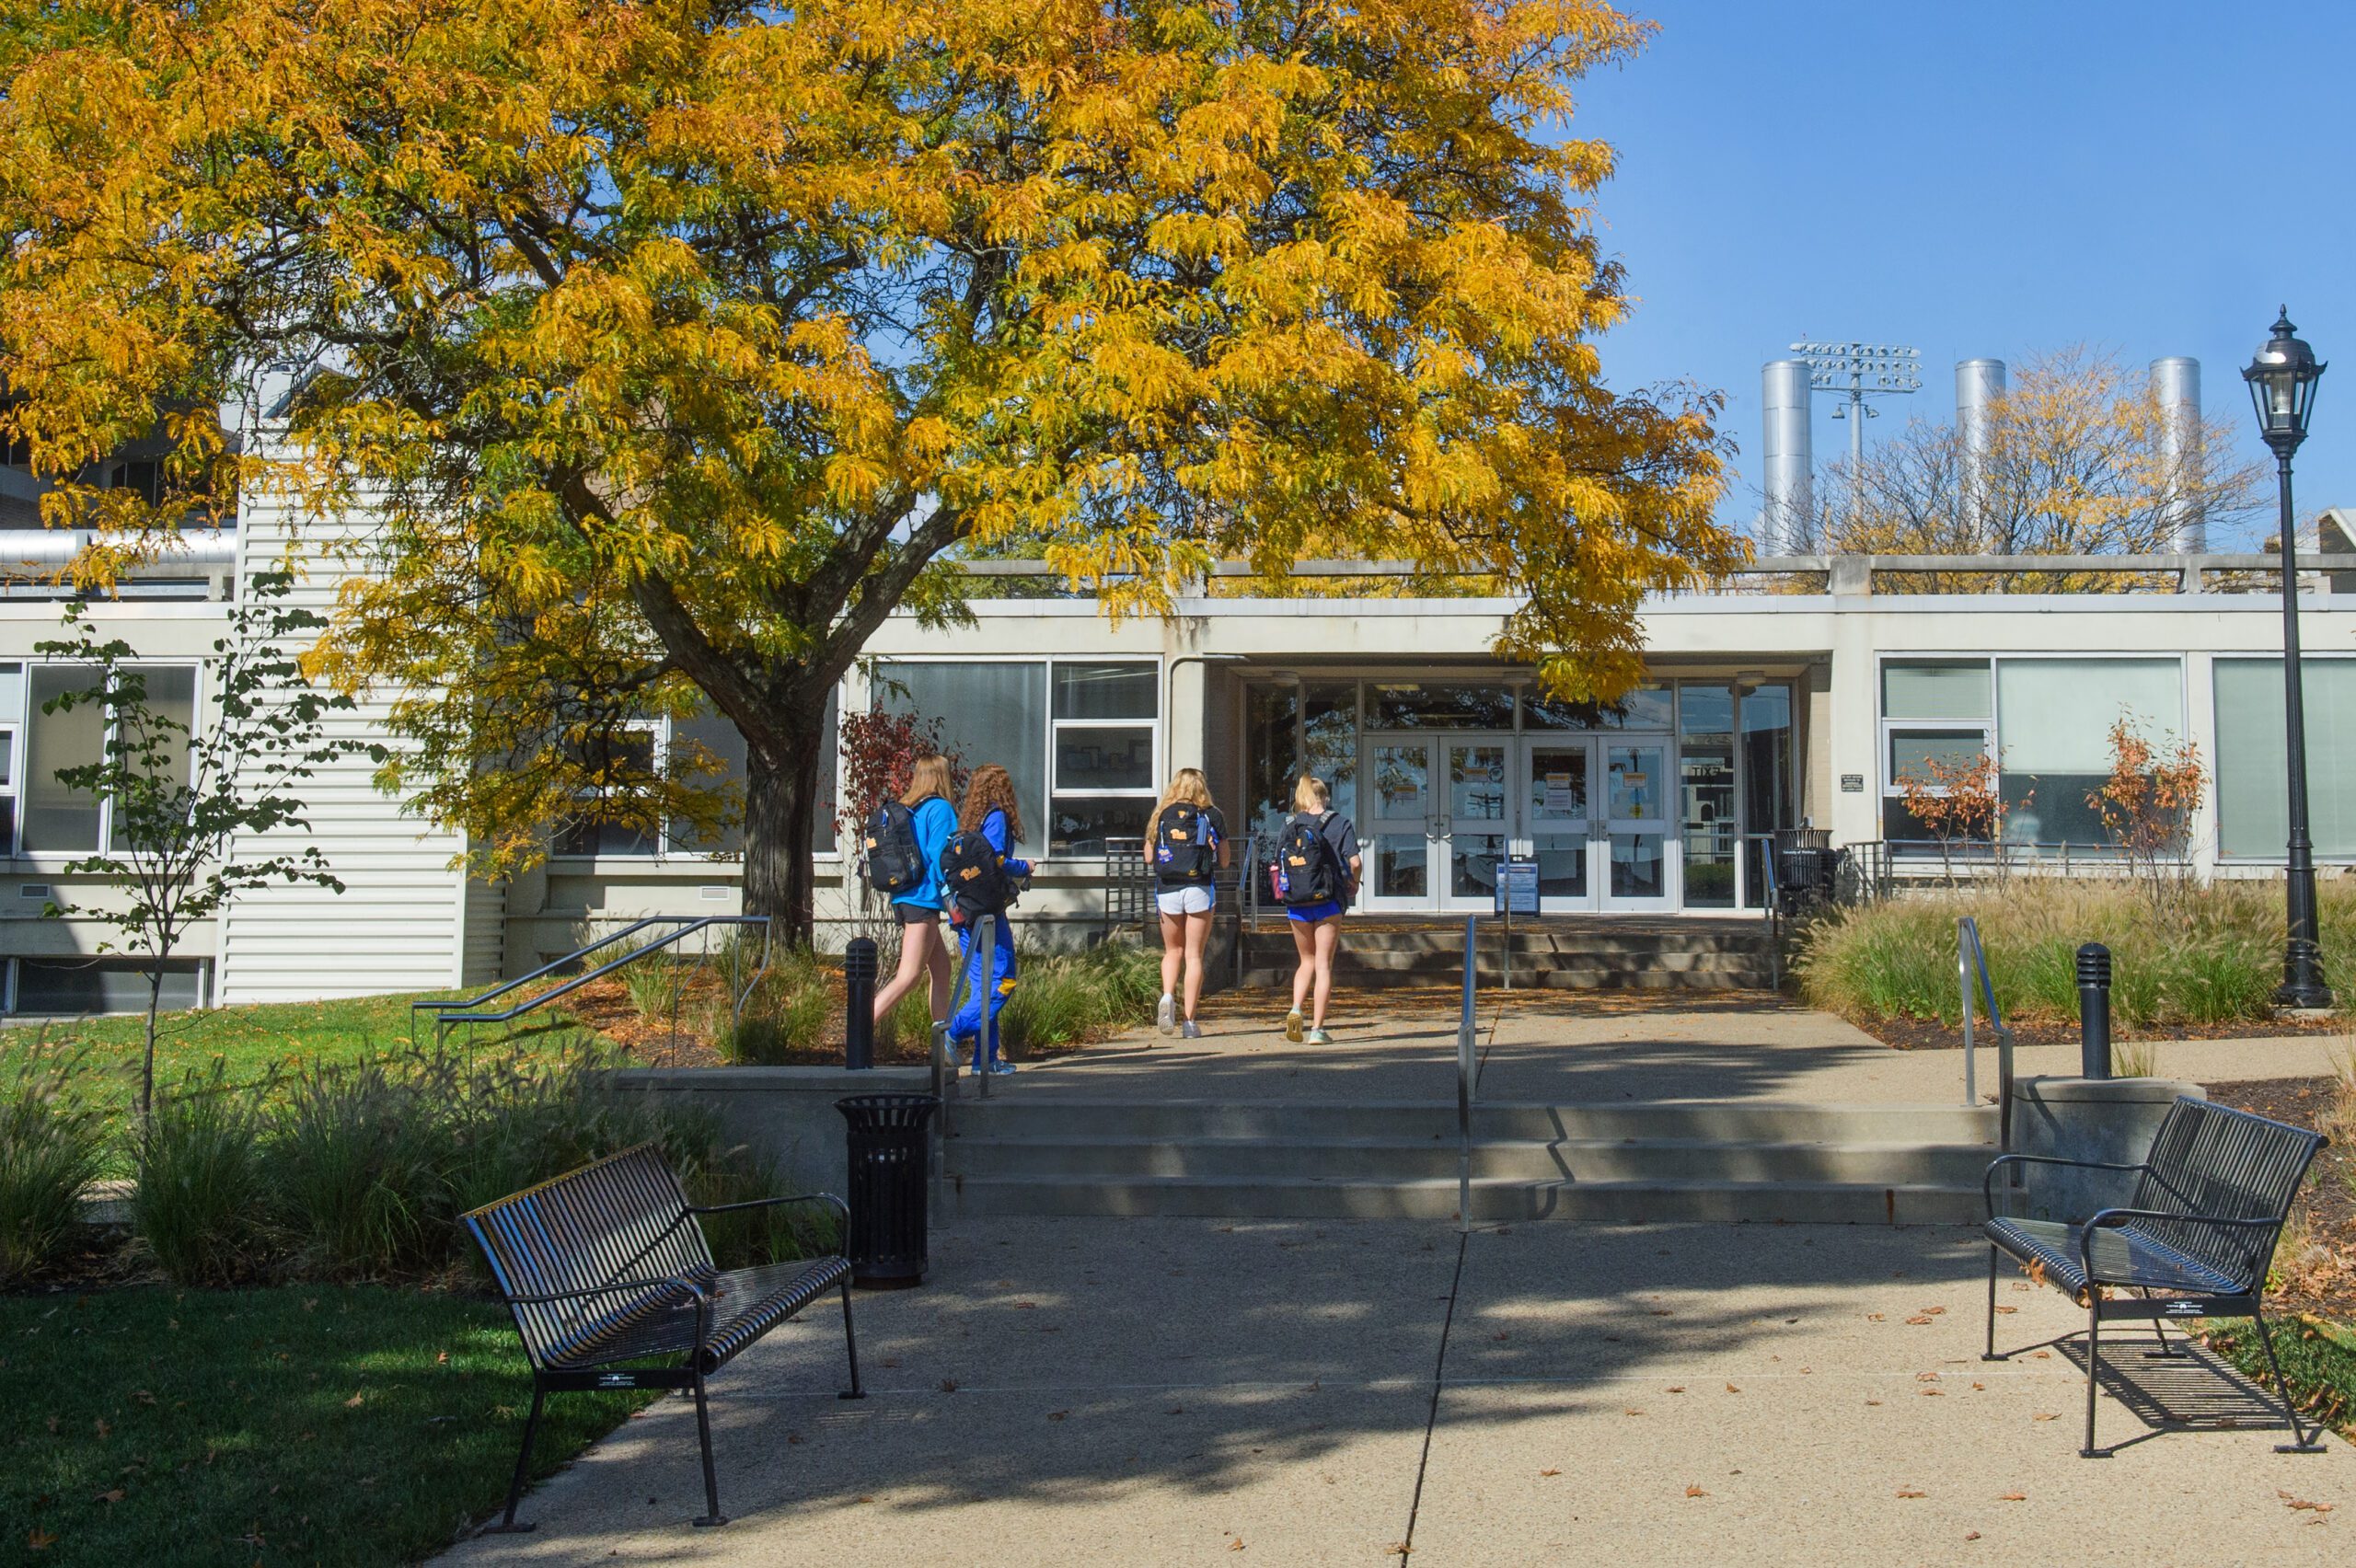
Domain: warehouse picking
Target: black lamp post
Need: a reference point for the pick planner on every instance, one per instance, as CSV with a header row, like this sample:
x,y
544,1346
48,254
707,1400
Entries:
x,y
2283,385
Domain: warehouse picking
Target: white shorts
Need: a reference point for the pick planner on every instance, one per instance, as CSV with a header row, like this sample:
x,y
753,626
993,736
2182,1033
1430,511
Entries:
x,y
1193,899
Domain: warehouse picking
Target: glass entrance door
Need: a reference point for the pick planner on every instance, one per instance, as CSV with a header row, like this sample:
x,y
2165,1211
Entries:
x,y
1637,872
1401,820
1475,820
1558,820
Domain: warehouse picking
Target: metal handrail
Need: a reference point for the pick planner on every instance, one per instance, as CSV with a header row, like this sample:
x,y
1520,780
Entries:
x,y
1468,1072
1970,956
1774,913
944,1068
464,1004
444,1023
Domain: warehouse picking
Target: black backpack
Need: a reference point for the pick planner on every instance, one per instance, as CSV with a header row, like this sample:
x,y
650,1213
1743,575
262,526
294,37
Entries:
x,y
1183,844
893,863
1308,871
975,874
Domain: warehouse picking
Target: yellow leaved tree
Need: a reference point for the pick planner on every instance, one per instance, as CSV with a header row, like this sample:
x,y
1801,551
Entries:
x,y
672,345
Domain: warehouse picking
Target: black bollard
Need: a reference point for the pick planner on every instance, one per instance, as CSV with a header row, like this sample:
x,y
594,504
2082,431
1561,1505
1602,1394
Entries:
x,y
859,1005
2094,1010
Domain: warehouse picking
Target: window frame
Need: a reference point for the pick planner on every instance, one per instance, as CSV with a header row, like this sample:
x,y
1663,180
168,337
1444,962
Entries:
x,y
19,726
1158,664
2215,804
1149,791
1992,727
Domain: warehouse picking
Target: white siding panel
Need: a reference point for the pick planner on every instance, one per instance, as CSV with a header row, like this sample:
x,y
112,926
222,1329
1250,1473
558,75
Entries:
x,y
399,925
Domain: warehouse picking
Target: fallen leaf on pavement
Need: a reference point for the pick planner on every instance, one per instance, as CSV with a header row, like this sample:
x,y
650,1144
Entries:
x,y
2012,1497
2007,1311
2047,1416
1907,1491
1695,1491
1549,1472
1917,1319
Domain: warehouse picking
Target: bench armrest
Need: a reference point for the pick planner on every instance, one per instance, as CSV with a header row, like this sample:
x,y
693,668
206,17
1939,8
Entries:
x,y
840,1207
703,1296
1988,1179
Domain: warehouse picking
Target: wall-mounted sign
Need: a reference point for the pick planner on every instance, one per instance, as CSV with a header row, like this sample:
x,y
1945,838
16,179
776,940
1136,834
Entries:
x,y
1853,783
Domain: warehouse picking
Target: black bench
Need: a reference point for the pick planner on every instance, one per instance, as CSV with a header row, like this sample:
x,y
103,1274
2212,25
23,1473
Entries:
x,y
608,1263
2194,1240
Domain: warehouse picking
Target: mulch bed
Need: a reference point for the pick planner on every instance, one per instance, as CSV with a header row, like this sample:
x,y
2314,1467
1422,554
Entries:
x,y
1930,1034
2323,1279
682,1037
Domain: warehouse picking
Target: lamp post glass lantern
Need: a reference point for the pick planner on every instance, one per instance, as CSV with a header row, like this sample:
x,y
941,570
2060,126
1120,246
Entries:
x,y
2282,389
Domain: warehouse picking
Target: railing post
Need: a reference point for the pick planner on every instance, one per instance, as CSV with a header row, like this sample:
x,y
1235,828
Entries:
x,y
984,955
1466,1061
1965,927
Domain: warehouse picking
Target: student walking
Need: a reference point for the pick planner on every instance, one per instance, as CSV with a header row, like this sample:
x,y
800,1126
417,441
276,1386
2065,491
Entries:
x,y
1317,865
920,830
983,878
1189,849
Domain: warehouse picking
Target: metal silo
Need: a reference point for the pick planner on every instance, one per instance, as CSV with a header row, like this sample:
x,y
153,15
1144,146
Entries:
x,y
1977,384
1787,523
2176,386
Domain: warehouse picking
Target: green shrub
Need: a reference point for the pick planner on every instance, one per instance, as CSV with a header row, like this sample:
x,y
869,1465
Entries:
x,y
359,1162
52,1145
198,1207
910,1020
787,1012
2216,960
1061,999
655,983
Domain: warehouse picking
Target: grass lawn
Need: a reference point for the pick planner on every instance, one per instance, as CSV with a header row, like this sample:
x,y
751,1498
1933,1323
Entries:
x,y
2318,1361
252,1042
360,1424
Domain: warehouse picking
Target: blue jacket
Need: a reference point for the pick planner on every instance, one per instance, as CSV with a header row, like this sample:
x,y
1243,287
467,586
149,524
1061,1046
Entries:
x,y
994,829
936,819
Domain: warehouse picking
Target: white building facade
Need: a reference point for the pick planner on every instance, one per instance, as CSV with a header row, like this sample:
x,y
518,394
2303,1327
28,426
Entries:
x,y
1799,697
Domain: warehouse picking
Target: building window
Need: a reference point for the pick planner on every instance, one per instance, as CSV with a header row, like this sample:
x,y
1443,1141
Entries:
x,y
1104,784
634,751
989,710
1646,707
1940,712
70,988
719,741
2053,723
2252,759
63,821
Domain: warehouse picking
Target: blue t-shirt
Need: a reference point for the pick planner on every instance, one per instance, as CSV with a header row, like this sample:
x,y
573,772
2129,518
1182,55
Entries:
x,y
994,830
936,819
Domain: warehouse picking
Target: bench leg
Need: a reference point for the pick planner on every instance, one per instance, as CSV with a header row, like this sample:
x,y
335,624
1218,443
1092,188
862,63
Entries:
x,y
2302,1440
1990,1354
2094,1364
713,1516
507,1525
850,1347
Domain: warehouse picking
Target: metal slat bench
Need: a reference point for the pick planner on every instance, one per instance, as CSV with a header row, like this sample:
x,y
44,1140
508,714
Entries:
x,y
608,1263
2194,1240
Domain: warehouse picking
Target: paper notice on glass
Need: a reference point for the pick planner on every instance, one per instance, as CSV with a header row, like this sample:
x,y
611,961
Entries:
x,y
1560,801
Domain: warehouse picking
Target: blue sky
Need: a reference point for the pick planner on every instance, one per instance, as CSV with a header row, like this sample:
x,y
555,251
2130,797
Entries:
x,y
1987,179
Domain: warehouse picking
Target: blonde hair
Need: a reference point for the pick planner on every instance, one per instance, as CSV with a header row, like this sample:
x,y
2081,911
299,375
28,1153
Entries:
x,y
1188,785
1311,794
926,778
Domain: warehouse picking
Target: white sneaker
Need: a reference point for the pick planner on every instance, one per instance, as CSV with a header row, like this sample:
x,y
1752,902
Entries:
x,y
1165,1016
1190,1030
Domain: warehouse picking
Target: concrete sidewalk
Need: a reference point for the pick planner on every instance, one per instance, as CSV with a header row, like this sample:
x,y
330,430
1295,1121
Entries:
x,y
1176,1391
1548,1048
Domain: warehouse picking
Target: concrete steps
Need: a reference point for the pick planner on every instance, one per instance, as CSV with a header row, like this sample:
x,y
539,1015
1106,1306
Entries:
x,y
1758,1161
1565,955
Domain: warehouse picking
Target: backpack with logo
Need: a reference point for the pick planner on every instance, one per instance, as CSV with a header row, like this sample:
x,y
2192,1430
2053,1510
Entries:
x,y
1183,844
975,874
1308,871
893,863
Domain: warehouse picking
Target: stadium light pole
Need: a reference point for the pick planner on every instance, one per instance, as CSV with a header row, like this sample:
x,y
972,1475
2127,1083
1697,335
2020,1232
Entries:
x,y
2282,387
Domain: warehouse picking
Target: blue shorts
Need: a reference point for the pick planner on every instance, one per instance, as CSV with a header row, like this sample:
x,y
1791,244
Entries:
x,y
1308,914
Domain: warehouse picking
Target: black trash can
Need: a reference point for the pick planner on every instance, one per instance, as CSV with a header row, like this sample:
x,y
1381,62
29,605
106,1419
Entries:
x,y
891,1170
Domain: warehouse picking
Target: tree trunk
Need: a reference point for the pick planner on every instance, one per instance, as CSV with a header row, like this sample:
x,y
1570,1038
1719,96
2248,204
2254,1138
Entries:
x,y
780,811
148,1061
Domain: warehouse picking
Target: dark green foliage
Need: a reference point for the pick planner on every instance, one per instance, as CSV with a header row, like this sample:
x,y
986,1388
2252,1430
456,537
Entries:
x,y
304,1424
2318,1361
52,1145
198,1209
